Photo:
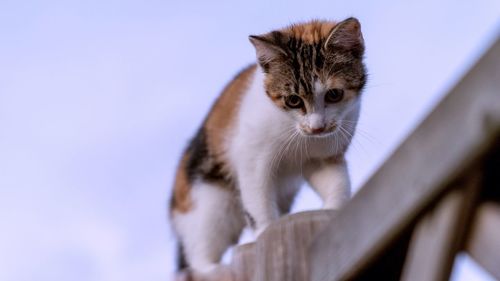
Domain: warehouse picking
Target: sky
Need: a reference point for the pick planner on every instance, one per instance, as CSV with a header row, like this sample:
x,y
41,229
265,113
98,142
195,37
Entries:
x,y
98,100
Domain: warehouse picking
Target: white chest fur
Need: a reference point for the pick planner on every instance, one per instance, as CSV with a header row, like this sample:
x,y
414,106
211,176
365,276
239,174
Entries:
x,y
270,158
266,135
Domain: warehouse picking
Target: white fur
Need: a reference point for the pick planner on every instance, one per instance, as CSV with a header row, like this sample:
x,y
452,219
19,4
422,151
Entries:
x,y
260,126
269,157
207,229
330,181
267,166
316,120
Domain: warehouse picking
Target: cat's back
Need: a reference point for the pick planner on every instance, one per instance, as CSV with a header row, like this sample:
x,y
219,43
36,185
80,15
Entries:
x,y
206,158
224,112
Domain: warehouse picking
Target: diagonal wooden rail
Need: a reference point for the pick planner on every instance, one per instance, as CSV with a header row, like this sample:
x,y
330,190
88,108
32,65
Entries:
x,y
438,194
451,140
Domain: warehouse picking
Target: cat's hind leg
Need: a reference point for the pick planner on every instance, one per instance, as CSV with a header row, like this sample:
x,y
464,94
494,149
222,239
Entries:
x,y
213,223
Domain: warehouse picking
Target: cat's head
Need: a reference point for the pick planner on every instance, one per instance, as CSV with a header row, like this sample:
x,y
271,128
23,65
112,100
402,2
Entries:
x,y
314,72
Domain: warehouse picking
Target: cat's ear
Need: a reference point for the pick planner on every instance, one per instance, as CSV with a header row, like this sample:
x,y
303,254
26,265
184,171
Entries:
x,y
346,35
268,48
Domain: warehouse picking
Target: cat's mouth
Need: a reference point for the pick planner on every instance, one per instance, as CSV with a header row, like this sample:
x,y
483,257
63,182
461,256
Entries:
x,y
318,133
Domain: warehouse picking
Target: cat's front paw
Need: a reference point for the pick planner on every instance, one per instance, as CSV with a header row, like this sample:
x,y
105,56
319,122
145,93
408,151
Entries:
x,y
259,229
215,273
336,203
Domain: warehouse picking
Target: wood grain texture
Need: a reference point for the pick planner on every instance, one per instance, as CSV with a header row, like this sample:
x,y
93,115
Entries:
x,y
484,240
243,262
438,236
429,248
453,137
221,273
282,249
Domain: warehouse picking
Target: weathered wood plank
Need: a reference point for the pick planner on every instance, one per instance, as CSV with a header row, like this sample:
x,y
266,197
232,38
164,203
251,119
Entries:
x,y
429,256
460,129
484,240
439,234
221,273
243,262
282,249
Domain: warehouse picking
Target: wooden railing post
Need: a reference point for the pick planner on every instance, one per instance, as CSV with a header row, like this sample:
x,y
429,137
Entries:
x,y
484,240
243,262
282,249
439,234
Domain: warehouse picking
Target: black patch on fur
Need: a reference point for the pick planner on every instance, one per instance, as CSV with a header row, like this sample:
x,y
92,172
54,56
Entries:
x,y
198,151
201,164
250,219
181,258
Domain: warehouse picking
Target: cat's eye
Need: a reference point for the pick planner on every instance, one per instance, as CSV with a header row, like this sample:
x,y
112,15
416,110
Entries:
x,y
334,95
294,101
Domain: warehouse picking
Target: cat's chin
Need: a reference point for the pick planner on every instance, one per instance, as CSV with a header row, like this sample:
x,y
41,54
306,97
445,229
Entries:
x,y
318,135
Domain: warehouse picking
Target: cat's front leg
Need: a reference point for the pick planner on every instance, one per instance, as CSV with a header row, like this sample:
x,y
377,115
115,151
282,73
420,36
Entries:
x,y
257,195
330,179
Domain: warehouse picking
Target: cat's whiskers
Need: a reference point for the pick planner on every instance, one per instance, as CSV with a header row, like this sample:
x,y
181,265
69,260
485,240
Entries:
x,y
301,141
335,136
354,126
297,146
343,138
290,142
349,135
307,149
356,141
291,131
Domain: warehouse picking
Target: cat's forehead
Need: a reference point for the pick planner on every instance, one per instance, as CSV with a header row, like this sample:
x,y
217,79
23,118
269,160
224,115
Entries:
x,y
312,32
308,58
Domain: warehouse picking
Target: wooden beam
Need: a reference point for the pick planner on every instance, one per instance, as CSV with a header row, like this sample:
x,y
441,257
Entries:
x,y
243,262
439,234
282,249
431,253
221,273
484,240
456,134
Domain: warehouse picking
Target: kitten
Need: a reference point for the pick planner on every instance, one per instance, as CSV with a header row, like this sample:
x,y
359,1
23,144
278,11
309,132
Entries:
x,y
286,120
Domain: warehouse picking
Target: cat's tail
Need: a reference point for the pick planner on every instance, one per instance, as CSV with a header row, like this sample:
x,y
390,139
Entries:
x,y
181,258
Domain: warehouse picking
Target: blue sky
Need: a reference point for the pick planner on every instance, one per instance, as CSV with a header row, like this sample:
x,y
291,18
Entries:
x,y
98,98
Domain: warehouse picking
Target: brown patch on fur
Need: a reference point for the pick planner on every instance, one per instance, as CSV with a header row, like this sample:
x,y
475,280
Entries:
x,y
223,112
274,93
312,32
181,199
205,157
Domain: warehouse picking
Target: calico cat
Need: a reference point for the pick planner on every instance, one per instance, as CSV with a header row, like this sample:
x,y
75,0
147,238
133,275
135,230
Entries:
x,y
280,122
